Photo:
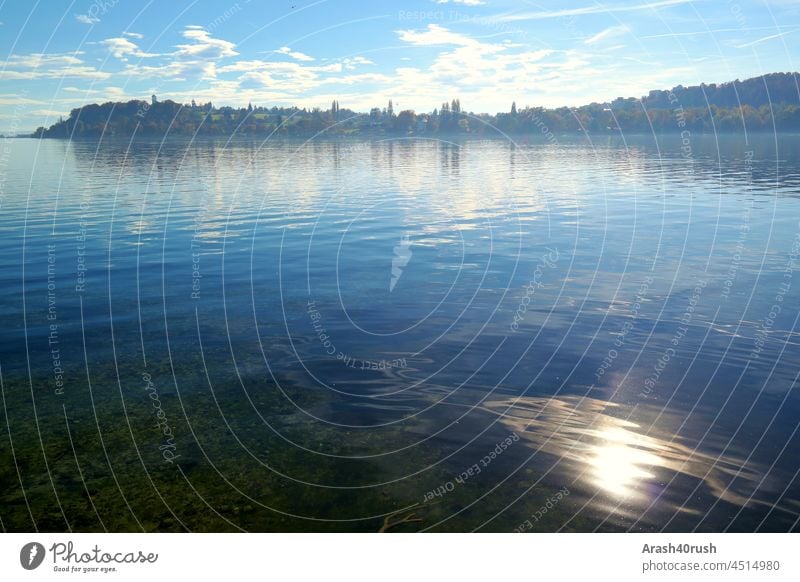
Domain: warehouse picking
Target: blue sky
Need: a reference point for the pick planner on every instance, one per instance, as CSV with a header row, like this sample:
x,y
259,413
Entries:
x,y
60,54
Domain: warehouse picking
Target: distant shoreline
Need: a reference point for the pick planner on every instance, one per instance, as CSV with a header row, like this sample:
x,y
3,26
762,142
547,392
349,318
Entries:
x,y
762,104
533,137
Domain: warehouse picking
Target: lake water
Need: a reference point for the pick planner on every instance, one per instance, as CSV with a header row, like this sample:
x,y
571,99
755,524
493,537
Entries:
x,y
553,335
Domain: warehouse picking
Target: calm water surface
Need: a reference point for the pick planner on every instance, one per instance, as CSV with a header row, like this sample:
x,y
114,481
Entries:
x,y
564,335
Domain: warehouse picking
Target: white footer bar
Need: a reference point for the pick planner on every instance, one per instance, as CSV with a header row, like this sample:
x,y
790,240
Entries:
x,y
399,557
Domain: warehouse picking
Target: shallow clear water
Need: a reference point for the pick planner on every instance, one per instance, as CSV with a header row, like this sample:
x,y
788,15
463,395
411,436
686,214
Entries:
x,y
566,335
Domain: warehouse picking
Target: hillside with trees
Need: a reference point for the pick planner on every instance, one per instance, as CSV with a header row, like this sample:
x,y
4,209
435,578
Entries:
x,y
768,103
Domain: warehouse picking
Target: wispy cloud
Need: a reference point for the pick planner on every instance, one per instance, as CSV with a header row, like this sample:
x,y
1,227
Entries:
x,y
712,31
49,66
464,2
297,55
609,32
597,9
15,99
764,39
86,19
39,60
46,112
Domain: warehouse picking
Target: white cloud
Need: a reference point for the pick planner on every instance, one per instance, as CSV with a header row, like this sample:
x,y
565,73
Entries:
x,y
108,93
231,92
79,72
37,60
48,66
12,99
204,46
297,78
292,82
361,79
610,32
486,72
466,66
46,112
352,63
435,35
487,77
281,76
200,58
285,50
86,19
197,59
80,95
477,72
121,48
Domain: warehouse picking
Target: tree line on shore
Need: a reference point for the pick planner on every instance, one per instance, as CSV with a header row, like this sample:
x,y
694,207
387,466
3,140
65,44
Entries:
x,y
767,103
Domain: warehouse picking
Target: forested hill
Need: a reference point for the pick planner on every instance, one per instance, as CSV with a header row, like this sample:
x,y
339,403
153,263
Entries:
x,y
775,88
767,103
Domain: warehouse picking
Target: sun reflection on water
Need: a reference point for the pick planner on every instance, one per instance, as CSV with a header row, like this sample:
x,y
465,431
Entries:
x,y
619,463
601,449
